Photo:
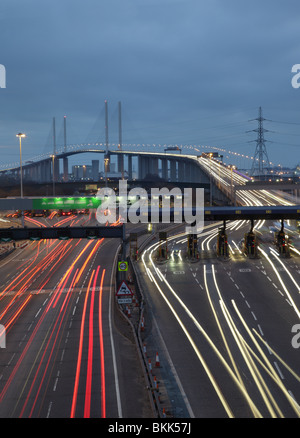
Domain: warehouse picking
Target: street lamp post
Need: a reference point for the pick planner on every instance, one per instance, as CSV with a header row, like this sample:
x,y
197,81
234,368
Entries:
x,y
53,174
20,135
106,164
210,178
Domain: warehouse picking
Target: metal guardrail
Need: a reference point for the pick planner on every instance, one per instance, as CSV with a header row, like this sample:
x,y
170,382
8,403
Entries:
x,y
154,395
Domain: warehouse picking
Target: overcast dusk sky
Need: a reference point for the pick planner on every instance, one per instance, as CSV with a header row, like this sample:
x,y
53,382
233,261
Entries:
x,y
189,72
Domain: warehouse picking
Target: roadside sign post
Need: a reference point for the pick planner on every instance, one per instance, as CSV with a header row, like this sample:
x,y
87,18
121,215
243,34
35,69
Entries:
x,y
122,269
123,266
124,293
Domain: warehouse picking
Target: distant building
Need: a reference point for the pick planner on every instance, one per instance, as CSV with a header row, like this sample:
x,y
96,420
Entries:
x,y
95,170
82,172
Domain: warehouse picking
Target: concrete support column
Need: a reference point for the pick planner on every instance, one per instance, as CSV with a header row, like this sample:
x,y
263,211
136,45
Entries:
x,y
194,173
48,170
121,164
46,176
130,167
35,172
164,169
146,165
181,166
153,166
188,174
173,171
297,194
34,178
66,169
95,170
45,167
140,168
40,172
143,167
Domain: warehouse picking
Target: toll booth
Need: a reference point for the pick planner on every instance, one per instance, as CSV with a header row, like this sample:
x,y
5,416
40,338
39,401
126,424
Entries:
x,y
282,243
222,243
250,245
162,253
192,246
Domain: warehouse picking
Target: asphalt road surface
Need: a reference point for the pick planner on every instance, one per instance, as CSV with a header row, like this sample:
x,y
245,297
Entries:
x,y
224,327
67,353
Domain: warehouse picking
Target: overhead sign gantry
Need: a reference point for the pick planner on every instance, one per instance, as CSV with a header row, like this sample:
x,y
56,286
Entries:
x,y
61,233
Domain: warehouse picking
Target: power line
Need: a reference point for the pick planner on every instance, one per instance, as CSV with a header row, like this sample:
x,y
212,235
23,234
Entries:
x,y
284,123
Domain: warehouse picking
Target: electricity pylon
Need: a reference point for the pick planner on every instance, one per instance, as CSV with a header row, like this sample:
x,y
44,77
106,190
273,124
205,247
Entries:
x,y
261,161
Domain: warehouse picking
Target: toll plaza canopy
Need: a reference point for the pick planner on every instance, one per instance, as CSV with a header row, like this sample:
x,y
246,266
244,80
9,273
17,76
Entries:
x,y
209,213
62,233
249,213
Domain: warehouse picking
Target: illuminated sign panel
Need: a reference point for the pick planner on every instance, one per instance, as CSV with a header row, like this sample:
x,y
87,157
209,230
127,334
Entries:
x,y
65,203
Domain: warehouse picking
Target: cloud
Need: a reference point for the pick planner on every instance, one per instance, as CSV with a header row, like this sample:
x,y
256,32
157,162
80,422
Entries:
x,y
167,61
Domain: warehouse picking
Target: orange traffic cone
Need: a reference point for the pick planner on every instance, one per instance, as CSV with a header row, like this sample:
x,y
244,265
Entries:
x,y
157,364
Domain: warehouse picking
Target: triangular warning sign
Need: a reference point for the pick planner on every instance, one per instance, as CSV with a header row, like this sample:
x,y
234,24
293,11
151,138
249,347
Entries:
x,y
124,290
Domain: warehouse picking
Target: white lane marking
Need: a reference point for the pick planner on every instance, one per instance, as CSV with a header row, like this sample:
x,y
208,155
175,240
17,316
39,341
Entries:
x,y
278,370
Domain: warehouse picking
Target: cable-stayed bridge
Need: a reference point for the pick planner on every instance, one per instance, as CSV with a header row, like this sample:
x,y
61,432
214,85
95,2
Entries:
x,y
171,163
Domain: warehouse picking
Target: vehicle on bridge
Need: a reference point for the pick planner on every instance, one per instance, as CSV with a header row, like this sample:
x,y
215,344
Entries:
x,y
173,148
17,213
39,213
64,213
176,255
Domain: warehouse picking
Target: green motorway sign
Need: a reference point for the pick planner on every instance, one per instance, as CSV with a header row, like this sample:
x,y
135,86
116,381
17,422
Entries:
x,y
65,203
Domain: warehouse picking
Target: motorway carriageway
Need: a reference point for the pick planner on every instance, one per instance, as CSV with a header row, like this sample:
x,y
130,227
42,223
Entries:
x,y
64,357
224,327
